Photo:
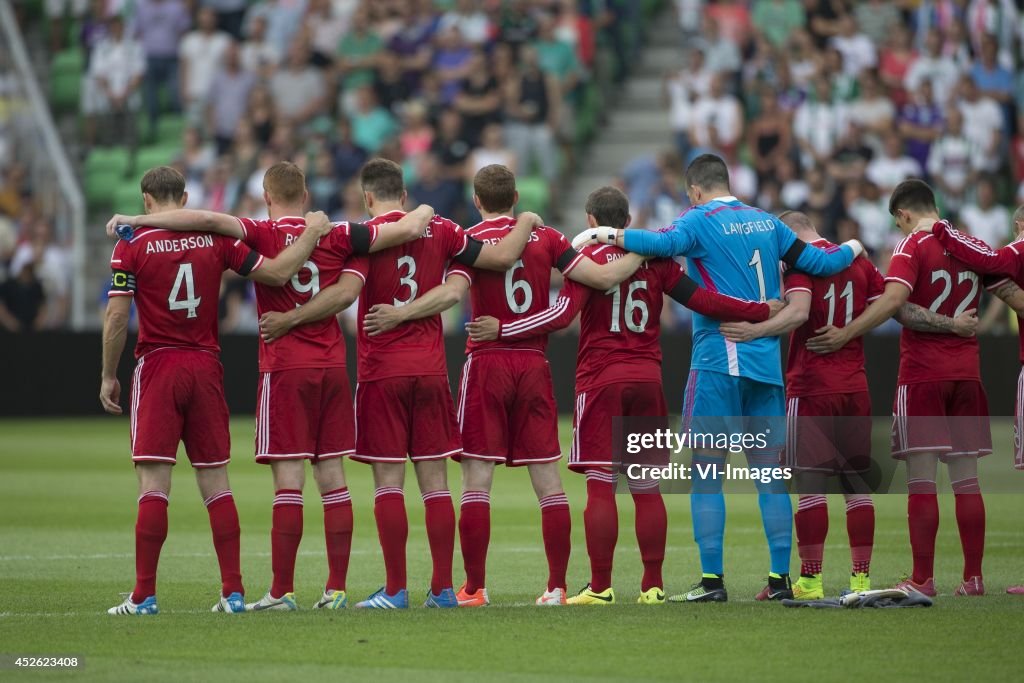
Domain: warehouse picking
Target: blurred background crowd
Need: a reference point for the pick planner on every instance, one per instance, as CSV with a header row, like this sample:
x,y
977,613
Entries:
x,y
817,105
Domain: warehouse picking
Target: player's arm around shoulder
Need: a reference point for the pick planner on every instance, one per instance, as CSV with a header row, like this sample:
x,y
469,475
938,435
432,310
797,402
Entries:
x,y
504,254
182,220
382,318
328,302
409,227
830,339
792,315
278,270
602,276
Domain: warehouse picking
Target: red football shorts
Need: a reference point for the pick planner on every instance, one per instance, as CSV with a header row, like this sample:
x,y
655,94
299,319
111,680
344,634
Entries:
x,y
829,433
305,413
178,395
507,409
949,418
405,416
1018,424
593,431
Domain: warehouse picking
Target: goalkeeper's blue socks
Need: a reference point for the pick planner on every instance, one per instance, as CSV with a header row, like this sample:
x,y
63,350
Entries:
x,y
777,518
707,508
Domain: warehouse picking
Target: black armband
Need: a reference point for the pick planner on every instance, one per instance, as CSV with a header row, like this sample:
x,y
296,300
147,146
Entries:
x,y
361,236
684,289
471,253
122,282
791,256
249,264
567,257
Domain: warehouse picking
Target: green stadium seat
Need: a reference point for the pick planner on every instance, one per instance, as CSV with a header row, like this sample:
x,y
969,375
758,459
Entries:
x,y
108,160
128,199
169,129
156,155
66,79
533,194
100,187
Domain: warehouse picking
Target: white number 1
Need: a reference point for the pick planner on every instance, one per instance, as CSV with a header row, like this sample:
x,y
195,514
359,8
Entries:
x,y
191,302
755,263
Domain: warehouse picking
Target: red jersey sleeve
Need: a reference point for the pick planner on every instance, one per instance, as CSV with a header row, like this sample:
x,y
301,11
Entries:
x,y
977,254
686,291
797,281
238,257
358,265
556,317
122,271
563,255
876,283
903,265
256,234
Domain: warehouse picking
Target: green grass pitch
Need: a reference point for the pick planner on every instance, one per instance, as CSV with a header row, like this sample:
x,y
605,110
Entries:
x,y
67,506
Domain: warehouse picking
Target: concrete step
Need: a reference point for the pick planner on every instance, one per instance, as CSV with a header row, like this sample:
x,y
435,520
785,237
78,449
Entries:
x,y
658,60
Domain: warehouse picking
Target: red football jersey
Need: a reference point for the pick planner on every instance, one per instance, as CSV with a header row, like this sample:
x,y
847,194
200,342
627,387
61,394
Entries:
x,y
318,344
835,300
175,279
941,283
522,290
396,276
982,259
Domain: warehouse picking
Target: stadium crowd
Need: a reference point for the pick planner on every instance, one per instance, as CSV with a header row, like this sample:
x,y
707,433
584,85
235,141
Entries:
x,y
818,105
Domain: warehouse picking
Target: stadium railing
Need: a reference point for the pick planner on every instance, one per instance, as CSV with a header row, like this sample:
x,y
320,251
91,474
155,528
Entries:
x,y
37,144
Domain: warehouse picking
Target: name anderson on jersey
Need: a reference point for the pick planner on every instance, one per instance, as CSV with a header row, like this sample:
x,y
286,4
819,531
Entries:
x,y
176,245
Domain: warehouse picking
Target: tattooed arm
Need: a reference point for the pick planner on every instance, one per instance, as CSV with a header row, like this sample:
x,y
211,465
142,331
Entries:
x,y
923,320
1009,292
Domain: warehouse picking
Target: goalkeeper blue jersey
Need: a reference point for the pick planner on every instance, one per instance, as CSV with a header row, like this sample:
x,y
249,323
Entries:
x,y
735,249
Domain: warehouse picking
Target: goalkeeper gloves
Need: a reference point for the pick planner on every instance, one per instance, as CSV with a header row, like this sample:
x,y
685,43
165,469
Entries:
x,y
856,246
602,234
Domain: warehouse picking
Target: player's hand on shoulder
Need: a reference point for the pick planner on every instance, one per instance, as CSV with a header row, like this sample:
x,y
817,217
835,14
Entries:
x,y
532,218
828,339
775,306
602,234
274,325
738,332
966,324
484,328
110,396
382,318
318,222
119,219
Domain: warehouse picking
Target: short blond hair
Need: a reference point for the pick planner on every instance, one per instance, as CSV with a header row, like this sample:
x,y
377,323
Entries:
x,y
285,182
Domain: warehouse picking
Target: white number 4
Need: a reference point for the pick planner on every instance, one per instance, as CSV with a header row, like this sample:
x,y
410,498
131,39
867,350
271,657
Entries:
x,y
191,302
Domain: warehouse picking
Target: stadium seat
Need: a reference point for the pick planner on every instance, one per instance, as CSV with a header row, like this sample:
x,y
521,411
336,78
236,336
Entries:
x,y
169,129
108,160
128,199
533,194
156,155
100,187
66,79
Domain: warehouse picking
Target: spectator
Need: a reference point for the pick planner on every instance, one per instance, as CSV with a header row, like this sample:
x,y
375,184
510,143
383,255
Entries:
x,y
876,19
717,120
230,15
159,26
984,218
471,22
245,151
531,112
92,33
450,146
492,150
778,19
323,183
770,135
390,83
298,89
867,207
556,57
357,56
56,11
802,60
895,61
819,125
986,124
996,19
858,51
283,17
921,123
892,166
417,135
372,125
262,113
196,156
936,67
851,157
479,98
220,188
117,66
823,203
873,111
348,156
201,53
258,55
732,19
721,55
50,264
323,28
953,161
22,300
229,92
742,177
793,190
994,81
644,179
823,19
433,188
